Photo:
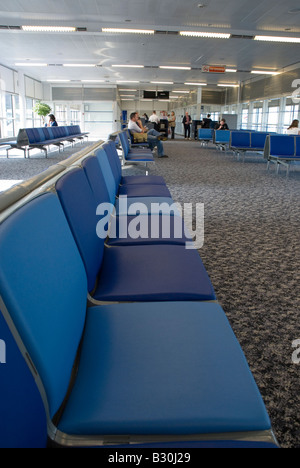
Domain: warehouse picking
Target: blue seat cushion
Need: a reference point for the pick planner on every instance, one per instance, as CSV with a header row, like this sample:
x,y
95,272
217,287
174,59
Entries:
x,y
158,229
162,368
139,157
153,273
151,205
151,179
144,190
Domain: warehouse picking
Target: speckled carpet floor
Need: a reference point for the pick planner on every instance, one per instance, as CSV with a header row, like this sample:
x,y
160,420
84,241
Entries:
x,y
251,252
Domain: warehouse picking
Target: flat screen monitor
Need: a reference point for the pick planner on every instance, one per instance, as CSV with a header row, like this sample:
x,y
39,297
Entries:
x,y
149,95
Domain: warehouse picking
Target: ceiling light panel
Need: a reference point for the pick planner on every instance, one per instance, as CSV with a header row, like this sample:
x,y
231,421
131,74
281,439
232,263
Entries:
x,y
54,29
294,40
205,34
128,31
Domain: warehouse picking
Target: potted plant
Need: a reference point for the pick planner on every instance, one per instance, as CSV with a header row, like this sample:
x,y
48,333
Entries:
x,y
42,110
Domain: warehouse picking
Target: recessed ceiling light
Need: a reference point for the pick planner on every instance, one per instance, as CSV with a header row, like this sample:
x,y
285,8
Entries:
x,y
48,29
228,85
175,68
196,84
294,40
211,35
30,64
128,66
128,31
78,65
264,72
162,82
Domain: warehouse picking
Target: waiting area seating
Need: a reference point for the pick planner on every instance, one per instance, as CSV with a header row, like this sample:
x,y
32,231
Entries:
x,y
282,150
205,135
42,138
124,336
243,141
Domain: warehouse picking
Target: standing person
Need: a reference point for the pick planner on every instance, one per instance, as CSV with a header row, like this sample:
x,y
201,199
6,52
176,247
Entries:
x,y
153,137
293,128
52,121
172,124
206,121
155,120
187,120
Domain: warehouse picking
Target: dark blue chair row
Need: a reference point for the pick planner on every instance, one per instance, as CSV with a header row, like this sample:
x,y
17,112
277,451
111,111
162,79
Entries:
x,y
41,138
282,150
124,337
243,141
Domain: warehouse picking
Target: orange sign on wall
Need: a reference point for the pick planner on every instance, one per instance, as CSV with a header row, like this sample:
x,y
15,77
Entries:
x,y
213,69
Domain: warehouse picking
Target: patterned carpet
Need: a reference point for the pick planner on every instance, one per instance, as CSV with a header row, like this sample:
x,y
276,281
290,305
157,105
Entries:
x,y
251,252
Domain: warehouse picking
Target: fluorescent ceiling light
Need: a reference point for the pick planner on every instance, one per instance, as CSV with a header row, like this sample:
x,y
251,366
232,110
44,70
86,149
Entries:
x,y
128,66
196,84
230,70
78,65
30,64
277,39
123,81
180,92
127,95
58,81
205,34
162,82
175,68
227,85
48,29
93,81
262,72
128,31
129,90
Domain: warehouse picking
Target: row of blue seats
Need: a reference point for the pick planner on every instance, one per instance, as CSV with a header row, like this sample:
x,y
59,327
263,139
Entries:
x,y
239,141
282,150
124,336
41,138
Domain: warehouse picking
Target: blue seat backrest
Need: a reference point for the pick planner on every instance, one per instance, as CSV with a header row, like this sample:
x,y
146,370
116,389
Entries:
x,y
124,143
79,204
282,145
297,139
41,134
258,139
110,181
113,158
96,180
46,133
240,139
222,136
204,133
44,290
31,135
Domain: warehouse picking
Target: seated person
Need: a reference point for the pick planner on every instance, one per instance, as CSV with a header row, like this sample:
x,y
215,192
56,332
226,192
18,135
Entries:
x,y
223,125
153,136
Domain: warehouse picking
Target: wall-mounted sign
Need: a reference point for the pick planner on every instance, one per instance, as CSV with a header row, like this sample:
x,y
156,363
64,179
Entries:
x,y
213,69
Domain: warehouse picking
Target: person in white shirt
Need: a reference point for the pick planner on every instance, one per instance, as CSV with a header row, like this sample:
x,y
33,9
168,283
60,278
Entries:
x,y
153,118
293,128
152,135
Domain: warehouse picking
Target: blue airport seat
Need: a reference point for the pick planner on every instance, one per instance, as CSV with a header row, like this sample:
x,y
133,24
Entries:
x,y
159,369
221,139
205,135
147,272
115,163
281,150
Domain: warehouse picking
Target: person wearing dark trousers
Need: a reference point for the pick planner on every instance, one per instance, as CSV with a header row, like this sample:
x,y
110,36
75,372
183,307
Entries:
x,y
187,126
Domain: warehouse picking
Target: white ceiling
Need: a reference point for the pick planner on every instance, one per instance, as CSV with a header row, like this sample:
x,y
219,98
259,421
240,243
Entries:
x,y
92,46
